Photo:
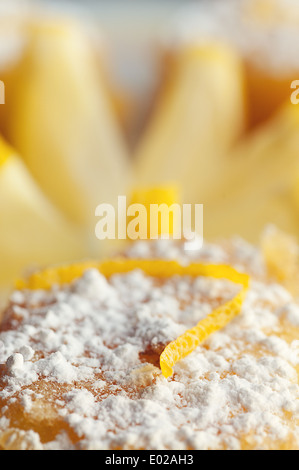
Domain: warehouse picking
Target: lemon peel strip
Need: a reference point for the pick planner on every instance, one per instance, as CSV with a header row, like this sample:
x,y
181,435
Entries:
x,y
188,341
57,275
217,319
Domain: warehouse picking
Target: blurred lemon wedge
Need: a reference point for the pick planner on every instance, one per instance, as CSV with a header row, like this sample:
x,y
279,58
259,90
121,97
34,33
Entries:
x,y
11,46
32,232
62,122
280,251
257,182
200,115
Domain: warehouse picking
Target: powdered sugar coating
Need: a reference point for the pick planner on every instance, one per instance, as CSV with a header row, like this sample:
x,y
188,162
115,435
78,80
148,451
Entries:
x,y
96,344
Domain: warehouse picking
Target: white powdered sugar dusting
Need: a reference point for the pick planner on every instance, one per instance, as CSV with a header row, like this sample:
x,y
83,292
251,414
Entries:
x,y
96,342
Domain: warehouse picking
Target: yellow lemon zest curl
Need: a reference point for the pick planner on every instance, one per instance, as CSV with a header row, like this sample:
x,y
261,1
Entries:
x,y
188,341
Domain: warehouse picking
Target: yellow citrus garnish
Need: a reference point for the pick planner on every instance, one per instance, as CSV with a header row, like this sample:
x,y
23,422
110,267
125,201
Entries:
x,y
5,151
217,319
184,344
163,197
281,255
60,275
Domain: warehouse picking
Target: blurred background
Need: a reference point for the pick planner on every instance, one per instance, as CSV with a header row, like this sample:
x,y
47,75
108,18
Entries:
x,y
103,97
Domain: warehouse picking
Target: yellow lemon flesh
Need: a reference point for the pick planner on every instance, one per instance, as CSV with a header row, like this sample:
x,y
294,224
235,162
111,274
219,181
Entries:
x,y
63,124
200,115
32,231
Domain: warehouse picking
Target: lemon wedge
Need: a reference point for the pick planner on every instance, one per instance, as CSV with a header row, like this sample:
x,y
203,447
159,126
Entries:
x,y
32,231
280,251
12,41
62,122
258,181
200,115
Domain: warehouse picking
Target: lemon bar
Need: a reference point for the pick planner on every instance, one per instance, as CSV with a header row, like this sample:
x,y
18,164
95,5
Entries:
x,y
81,348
